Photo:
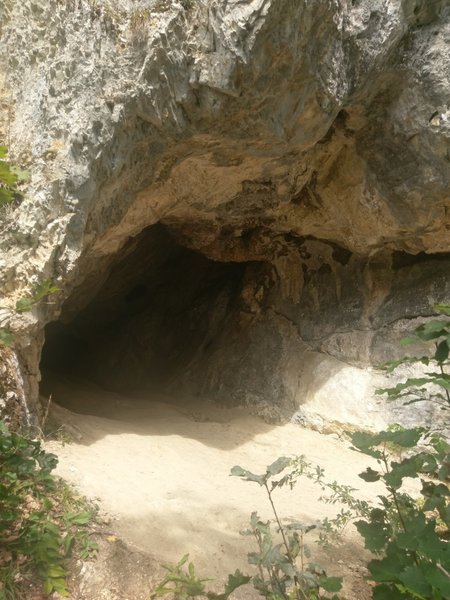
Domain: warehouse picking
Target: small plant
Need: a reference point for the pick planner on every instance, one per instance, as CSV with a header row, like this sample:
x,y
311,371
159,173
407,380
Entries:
x,y
433,386
409,536
10,176
39,292
329,530
6,336
37,533
185,584
284,569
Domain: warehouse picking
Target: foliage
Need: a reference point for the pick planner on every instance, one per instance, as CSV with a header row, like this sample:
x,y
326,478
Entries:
x,y
6,337
185,584
329,530
37,532
433,386
410,536
283,570
10,176
39,292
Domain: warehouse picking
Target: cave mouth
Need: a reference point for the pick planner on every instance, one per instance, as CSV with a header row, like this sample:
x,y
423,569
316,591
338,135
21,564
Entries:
x,y
159,310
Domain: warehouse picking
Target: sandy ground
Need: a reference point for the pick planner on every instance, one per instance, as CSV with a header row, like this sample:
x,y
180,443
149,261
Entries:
x,y
161,470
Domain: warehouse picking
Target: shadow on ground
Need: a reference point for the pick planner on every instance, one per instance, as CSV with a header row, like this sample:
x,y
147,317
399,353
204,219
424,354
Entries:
x,y
145,415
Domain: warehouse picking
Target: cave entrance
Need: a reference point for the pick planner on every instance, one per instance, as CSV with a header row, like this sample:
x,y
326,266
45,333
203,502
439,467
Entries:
x,y
158,310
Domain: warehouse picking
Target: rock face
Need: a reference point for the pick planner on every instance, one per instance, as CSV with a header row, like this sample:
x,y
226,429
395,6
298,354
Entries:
x,y
243,200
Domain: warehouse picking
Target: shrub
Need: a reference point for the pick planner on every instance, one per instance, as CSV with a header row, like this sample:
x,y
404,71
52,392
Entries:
x,y
433,386
285,570
409,535
36,533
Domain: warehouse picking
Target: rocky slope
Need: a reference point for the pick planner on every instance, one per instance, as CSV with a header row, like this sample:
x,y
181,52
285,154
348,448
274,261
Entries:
x,y
243,200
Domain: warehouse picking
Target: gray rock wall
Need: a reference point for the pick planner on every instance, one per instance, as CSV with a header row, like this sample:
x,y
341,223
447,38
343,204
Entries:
x,y
311,137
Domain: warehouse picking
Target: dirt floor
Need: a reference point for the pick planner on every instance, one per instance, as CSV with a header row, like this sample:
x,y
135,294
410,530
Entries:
x,y
160,472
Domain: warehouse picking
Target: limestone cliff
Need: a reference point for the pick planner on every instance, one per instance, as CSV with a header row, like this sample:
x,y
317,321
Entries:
x,y
246,200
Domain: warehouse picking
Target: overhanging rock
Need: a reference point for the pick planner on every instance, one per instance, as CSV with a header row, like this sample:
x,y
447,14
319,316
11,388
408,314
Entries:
x,y
298,150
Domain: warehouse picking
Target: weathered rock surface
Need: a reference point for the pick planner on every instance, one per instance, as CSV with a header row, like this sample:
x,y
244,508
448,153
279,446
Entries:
x,y
304,142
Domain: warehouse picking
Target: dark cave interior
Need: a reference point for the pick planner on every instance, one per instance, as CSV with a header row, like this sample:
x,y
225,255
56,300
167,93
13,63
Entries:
x,y
160,306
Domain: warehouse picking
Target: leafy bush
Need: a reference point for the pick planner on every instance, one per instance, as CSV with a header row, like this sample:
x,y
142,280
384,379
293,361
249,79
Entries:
x,y
284,569
36,534
433,386
410,536
185,584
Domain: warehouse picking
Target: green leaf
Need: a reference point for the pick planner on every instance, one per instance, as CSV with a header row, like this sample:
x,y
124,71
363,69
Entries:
x,y
370,475
68,543
431,545
80,518
21,174
330,584
6,174
51,528
441,354
234,581
238,471
375,535
432,330
438,580
6,196
279,465
24,305
386,570
412,382
365,442
391,365
55,571
387,592
409,467
406,438
6,337
443,308
60,586
254,558
274,556
38,293
410,539
414,579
